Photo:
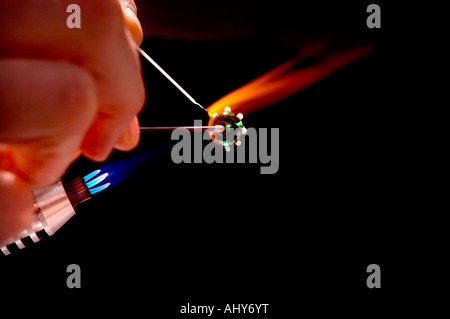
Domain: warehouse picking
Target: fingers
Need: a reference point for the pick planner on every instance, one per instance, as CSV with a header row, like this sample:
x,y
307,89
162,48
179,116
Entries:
x,y
103,135
46,107
132,22
50,111
102,46
16,203
130,4
130,137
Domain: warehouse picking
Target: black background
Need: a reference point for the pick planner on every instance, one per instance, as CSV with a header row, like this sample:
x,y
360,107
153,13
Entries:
x,y
301,240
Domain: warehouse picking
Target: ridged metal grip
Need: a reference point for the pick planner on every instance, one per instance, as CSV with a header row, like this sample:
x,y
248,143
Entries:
x,y
53,209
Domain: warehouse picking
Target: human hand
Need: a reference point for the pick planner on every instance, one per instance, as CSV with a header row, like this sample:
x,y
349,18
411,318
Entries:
x,y
63,92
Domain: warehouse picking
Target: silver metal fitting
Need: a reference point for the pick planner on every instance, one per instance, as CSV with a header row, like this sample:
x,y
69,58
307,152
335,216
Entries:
x,y
53,209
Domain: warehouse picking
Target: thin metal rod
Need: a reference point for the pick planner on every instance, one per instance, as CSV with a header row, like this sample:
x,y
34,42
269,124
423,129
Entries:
x,y
217,128
160,69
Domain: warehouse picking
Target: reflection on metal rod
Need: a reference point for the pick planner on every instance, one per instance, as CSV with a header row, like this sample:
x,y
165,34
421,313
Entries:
x,y
216,128
160,69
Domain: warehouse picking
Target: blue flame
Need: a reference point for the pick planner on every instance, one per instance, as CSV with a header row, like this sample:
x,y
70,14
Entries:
x,y
96,180
91,175
92,191
118,171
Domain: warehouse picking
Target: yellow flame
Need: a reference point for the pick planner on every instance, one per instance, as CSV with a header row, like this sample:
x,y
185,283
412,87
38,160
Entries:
x,y
280,82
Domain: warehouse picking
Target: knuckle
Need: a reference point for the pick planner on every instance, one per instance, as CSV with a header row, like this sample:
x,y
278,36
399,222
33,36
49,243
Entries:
x,y
136,104
76,92
140,99
129,101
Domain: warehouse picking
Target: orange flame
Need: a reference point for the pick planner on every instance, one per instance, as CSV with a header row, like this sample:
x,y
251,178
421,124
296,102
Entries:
x,y
280,82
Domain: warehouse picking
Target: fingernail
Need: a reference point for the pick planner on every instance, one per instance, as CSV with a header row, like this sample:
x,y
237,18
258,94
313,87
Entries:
x,y
134,25
7,178
129,4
